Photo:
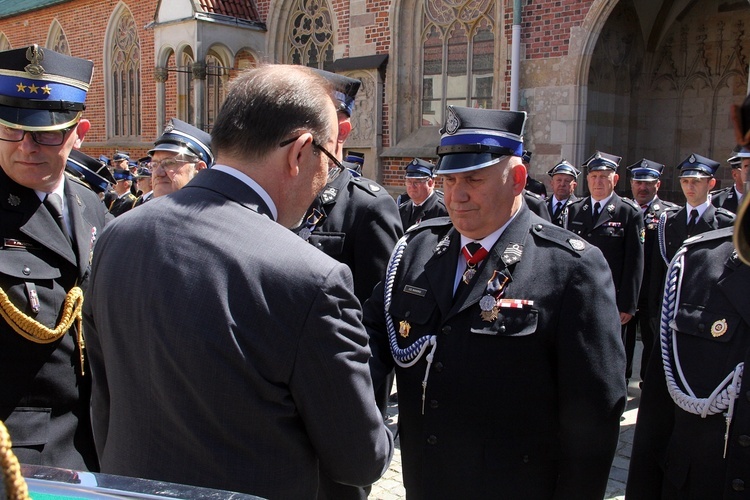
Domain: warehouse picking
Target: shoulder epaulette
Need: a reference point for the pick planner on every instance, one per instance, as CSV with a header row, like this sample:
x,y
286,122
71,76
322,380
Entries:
x,y
722,190
723,211
429,223
631,202
560,236
369,186
716,234
532,194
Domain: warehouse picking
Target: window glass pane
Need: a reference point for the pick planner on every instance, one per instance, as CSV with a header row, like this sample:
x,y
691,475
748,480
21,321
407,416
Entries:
x,y
483,56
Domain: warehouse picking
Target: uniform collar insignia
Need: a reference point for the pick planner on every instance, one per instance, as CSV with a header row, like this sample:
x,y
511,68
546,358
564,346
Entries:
x,y
441,247
14,200
328,194
512,254
610,208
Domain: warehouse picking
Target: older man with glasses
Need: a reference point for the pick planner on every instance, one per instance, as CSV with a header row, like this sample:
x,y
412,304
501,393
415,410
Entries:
x,y
48,226
178,154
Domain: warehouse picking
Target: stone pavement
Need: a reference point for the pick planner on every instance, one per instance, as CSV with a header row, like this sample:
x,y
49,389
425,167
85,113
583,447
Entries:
x,y
390,486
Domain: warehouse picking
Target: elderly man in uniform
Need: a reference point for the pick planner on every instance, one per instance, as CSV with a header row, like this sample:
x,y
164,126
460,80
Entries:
x,y
177,156
564,184
614,224
698,215
508,386
241,362
691,439
49,224
424,201
645,181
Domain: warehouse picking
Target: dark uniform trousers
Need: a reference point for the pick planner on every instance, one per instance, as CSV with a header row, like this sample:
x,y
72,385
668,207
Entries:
x,y
432,207
44,398
525,405
359,227
677,454
646,319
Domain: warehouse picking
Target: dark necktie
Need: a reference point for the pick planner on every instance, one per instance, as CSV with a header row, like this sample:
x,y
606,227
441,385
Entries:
x,y
558,207
53,202
692,222
595,214
474,253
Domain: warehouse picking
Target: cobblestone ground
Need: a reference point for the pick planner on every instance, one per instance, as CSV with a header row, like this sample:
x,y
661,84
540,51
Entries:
x,y
390,486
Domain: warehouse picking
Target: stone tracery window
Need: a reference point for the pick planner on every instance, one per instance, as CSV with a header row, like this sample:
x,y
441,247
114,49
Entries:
x,y
458,46
56,40
125,74
4,42
311,34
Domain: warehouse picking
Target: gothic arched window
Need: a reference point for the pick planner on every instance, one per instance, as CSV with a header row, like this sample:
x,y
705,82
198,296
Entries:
x,y
311,34
125,75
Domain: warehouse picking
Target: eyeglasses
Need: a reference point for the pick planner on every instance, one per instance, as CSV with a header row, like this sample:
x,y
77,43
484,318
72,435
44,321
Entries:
x,y
334,171
169,164
416,182
43,138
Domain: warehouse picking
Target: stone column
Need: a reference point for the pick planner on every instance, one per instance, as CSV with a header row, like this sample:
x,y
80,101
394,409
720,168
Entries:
x,y
199,95
160,77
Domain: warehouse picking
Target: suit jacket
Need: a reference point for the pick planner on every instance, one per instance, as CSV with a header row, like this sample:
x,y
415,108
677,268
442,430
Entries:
x,y
434,206
252,372
676,453
44,398
562,216
619,233
360,226
675,228
725,198
528,404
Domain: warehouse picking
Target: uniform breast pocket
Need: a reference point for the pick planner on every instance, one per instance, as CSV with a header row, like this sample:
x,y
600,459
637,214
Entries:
x,y
709,324
510,322
29,283
331,244
413,316
612,231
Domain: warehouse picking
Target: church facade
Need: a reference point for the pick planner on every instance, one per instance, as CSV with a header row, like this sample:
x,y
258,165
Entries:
x,y
635,78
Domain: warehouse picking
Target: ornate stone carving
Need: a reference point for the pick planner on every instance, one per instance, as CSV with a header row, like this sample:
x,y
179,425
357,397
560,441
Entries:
x,y
161,75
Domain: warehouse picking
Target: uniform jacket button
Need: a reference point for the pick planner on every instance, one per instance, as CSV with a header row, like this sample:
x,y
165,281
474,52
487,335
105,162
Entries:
x,y
438,367
433,403
744,440
26,271
446,329
432,439
738,485
526,459
501,329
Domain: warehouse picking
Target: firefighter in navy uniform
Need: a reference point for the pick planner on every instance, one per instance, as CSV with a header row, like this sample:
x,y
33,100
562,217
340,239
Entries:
x,y
509,386
645,181
698,215
729,197
616,229
564,183
425,202
692,437
355,221
49,224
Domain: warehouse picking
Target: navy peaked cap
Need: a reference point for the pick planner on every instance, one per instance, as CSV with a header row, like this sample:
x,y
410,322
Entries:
x,y
474,138
41,89
646,170
419,168
185,139
564,167
89,170
698,166
345,89
602,161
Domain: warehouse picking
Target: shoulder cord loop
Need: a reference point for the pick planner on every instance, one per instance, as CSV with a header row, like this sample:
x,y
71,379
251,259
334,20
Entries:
x,y
724,396
15,484
32,330
409,356
662,237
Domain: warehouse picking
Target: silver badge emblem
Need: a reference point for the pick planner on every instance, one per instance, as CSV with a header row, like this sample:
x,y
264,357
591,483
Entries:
x,y
577,245
453,123
35,55
487,302
692,159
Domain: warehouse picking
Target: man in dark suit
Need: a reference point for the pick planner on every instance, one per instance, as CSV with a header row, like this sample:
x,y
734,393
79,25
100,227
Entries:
x,y
614,225
729,197
698,215
508,385
691,437
424,201
49,223
564,184
240,362
645,181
